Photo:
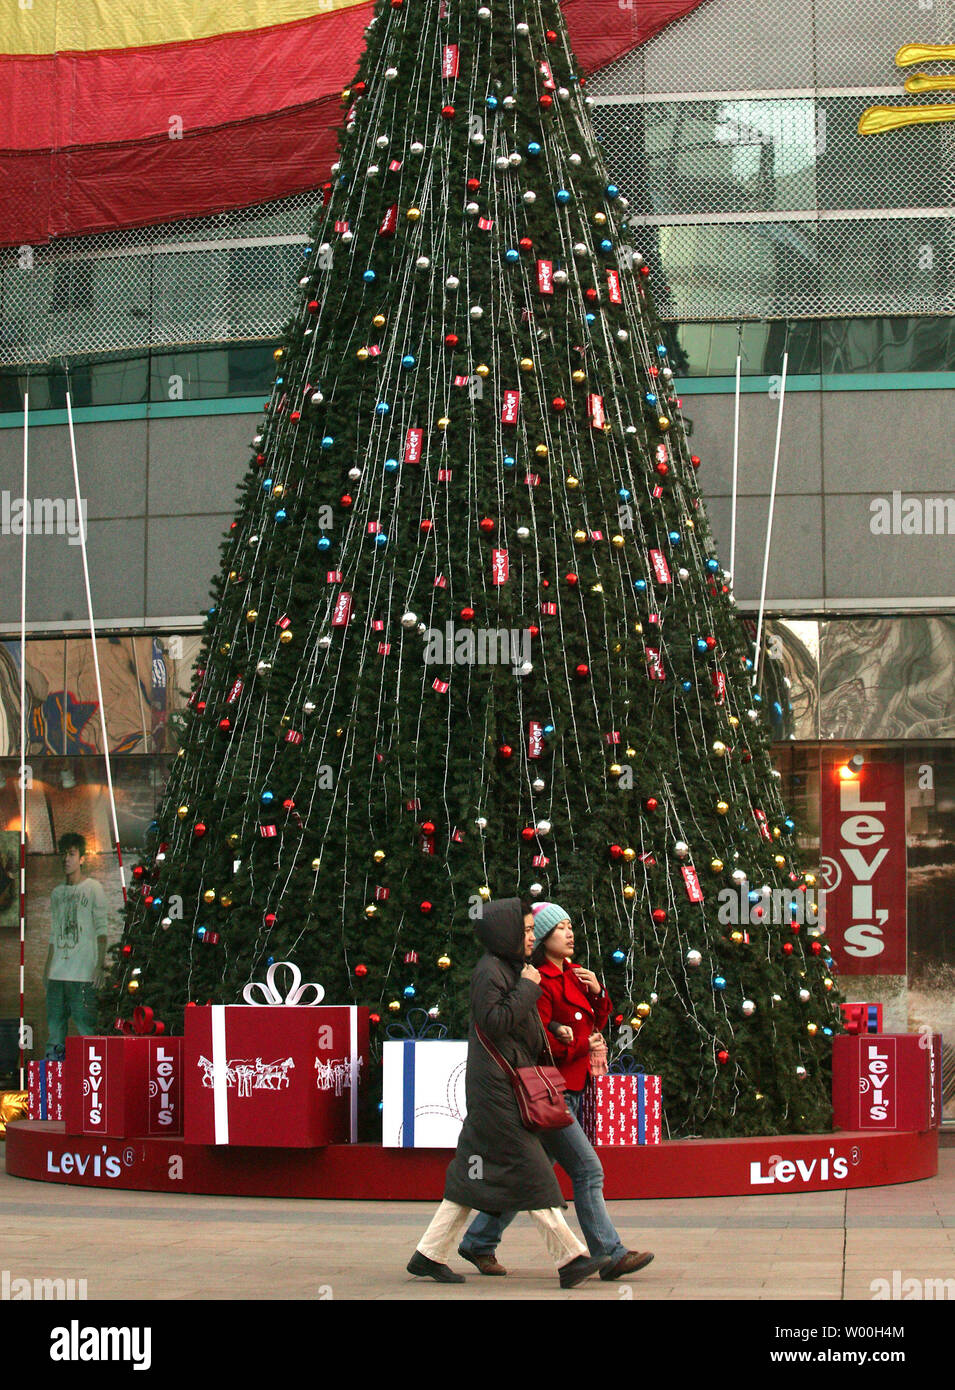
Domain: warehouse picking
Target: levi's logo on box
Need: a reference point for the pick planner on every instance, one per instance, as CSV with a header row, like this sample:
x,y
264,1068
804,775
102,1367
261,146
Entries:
x,y
94,1086
165,1089
877,1084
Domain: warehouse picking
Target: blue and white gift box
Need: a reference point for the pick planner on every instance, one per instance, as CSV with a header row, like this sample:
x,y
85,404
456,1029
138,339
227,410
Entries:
x,y
423,1086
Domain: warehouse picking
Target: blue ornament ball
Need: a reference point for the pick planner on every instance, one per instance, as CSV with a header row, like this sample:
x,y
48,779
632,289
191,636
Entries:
x,y
409,991
407,361
328,441
675,538
612,190
618,957
324,543
381,539
563,196
369,277
391,465
267,798
719,982
533,148
512,256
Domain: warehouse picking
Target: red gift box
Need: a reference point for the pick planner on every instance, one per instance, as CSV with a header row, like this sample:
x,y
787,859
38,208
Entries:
x,y
280,1075
624,1109
862,1018
45,1090
127,1087
887,1081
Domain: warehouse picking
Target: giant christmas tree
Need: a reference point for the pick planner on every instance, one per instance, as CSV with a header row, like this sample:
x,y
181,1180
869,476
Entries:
x,y
470,637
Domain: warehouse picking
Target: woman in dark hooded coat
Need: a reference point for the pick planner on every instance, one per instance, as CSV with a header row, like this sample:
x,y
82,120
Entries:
x,y
499,1165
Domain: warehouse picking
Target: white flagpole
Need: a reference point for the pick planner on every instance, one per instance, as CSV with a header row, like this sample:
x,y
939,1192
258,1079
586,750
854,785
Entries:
x,y
735,469
757,663
23,718
89,609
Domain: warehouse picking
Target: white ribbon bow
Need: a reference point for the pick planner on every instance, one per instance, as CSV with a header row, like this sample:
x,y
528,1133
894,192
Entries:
x,y
272,995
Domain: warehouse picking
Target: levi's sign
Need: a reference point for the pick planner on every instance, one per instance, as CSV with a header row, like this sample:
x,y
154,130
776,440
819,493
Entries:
x,y
863,867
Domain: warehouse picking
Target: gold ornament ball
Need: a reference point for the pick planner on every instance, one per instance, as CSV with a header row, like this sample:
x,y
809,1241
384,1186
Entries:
x,y
225,648
638,628
779,860
572,482
776,832
827,983
444,962
580,537
722,807
339,733
736,936
287,636
636,1022
209,896
444,422
182,812
362,354
379,320
618,541
233,839
316,865
596,588
811,879
630,752
371,910
615,770
394,1006
578,377
812,1029
719,748
233,576
629,892
484,893
278,354
716,865
733,721
225,900
643,1010
541,450
251,615
527,364
413,214
483,369
379,856
600,218
278,490
629,854
132,987
618,646
663,422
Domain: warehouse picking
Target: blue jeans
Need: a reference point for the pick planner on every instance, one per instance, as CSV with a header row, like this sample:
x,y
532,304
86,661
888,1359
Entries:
x,y
66,999
572,1150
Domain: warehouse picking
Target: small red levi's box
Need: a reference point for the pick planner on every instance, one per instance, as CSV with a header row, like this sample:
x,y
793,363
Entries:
x,y
126,1088
862,1018
622,1109
887,1081
283,1076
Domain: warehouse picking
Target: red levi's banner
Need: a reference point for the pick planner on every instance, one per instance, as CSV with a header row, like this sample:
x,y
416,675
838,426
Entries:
x,y
413,443
545,277
595,406
499,566
510,408
449,60
535,739
389,224
661,569
613,287
342,611
862,867
693,890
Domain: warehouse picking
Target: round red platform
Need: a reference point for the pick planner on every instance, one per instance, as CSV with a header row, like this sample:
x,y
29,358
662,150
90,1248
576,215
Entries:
x,y
368,1172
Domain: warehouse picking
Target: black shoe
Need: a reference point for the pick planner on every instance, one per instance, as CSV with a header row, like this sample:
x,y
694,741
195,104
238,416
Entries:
x,y
580,1269
486,1263
430,1269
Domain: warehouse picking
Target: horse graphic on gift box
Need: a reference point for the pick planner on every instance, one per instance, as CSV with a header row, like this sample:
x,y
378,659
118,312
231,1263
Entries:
x,y
245,1076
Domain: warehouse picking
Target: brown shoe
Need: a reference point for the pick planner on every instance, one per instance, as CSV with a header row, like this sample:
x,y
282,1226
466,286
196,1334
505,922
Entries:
x,y
487,1264
627,1264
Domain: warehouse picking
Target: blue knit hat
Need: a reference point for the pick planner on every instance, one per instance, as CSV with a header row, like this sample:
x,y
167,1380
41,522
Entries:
x,y
546,917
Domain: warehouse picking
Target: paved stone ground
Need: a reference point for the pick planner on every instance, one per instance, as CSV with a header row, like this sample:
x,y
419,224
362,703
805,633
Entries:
x,y
132,1245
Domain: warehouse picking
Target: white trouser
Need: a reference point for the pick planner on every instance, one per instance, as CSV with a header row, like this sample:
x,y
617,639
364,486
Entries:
x,y
450,1220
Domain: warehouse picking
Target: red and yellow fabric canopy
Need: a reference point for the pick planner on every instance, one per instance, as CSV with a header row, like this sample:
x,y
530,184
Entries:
x,y
119,114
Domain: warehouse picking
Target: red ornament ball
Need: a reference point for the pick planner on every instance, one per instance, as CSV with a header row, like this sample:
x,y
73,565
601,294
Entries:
x,y
313,306
659,916
376,1018
346,499
559,404
695,460
616,851
533,630
138,871
199,830
427,827
451,340
817,948
426,907
551,36
486,525
505,750
426,526
528,832
662,468
644,270
467,614
225,725
590,294
650,804
361,971
269,919
288,804
710,643
571,579
722,1057
473,185
787,948
448,113
526,244
547,101
583,670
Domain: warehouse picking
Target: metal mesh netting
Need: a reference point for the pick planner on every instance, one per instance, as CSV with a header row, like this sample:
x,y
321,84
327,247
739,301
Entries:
x,y
735,134
226,278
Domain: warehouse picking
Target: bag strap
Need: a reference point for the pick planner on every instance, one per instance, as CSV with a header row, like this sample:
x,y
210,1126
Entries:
x,y
492,1051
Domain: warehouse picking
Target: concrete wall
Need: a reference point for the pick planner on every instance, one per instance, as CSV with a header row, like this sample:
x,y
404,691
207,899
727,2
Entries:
x,y
160,494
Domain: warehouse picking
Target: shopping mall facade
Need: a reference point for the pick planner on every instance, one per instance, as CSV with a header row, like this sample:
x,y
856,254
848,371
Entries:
x,y
779,234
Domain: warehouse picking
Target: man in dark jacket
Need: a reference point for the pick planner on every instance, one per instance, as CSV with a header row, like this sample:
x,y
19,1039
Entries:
x,y
499,1165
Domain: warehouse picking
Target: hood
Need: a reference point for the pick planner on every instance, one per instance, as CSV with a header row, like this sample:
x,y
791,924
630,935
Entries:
x,y
501,929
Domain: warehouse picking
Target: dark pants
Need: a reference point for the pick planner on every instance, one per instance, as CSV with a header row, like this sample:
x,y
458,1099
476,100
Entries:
x,y
66,999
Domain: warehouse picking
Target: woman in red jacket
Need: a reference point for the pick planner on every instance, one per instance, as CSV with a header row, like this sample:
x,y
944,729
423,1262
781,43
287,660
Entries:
x,y
573,1006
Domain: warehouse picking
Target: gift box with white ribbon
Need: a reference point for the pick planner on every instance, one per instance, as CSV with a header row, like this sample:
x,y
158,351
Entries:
x,y
283,1076
423,1101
